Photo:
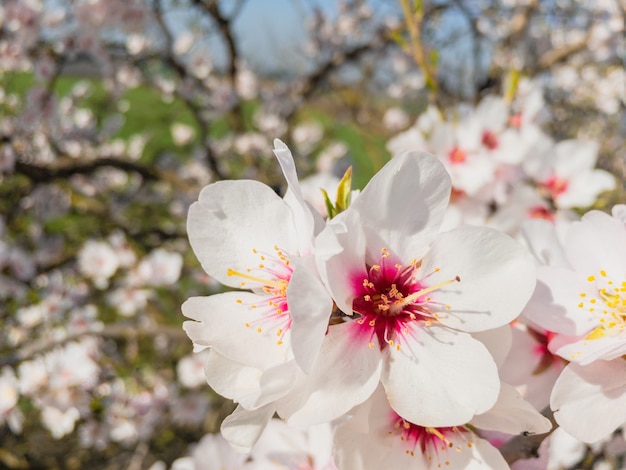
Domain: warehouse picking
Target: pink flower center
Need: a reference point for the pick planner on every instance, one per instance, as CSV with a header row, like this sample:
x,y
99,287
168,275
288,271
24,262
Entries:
x,y
429,441
273,273
390,301
546,358
556,185
516,120
541,212
490,140
457,155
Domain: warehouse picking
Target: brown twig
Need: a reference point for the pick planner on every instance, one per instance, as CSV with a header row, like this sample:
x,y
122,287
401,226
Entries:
x,y
519,23
45,174
555,56
316,79
180,69
224,25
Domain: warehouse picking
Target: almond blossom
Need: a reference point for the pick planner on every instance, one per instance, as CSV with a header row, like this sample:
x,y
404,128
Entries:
x,y
377,437
247,237
566,172
584,304
98,261
409,297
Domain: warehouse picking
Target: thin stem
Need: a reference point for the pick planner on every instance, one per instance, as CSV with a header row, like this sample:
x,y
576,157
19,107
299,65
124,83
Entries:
x,y
414,22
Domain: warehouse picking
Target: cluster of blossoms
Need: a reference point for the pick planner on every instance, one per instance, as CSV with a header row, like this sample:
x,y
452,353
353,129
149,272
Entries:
x,y
504,168
373,320
62,349
94,261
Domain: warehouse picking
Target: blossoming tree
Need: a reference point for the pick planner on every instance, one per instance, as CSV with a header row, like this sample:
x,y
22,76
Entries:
x,y
433,278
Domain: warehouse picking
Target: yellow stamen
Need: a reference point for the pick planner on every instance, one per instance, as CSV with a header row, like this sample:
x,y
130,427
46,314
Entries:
x,y
279,284
437,433
416,295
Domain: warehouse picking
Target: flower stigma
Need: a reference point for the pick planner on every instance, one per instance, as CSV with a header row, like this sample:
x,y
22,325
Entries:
x,y
391,301
433,443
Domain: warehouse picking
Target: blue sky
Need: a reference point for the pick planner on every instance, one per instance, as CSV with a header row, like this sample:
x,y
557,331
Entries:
x,y
272,32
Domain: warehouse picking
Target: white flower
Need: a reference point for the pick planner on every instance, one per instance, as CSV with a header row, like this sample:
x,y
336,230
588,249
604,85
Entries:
x,y
71,366
190,370
98,261
246,236
160,267
588,400
59,422
584,303
32,376
306,136
32,315
246,83
395,119
289,448
128,300
182,133
8,391
567,173
211,453
376,437
411,297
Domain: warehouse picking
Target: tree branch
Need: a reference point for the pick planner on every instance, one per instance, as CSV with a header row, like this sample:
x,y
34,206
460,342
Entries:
x,y
45,174
555,56
225,26
179,68
314,81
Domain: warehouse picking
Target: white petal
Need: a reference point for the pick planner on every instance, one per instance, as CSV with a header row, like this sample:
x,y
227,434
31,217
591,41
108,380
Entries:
x,y
230,219
440,377
574,157
597,242
554,304
243,427
498,341
345,374
402,207
583,189
221,324
542,240
382,448
340,257
497,277
520,369
249,386
588,401
586,351
513,415
310,307
485,456
303,216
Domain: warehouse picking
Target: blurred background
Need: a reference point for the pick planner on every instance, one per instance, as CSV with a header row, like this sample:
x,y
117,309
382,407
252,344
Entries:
x,y
115,113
